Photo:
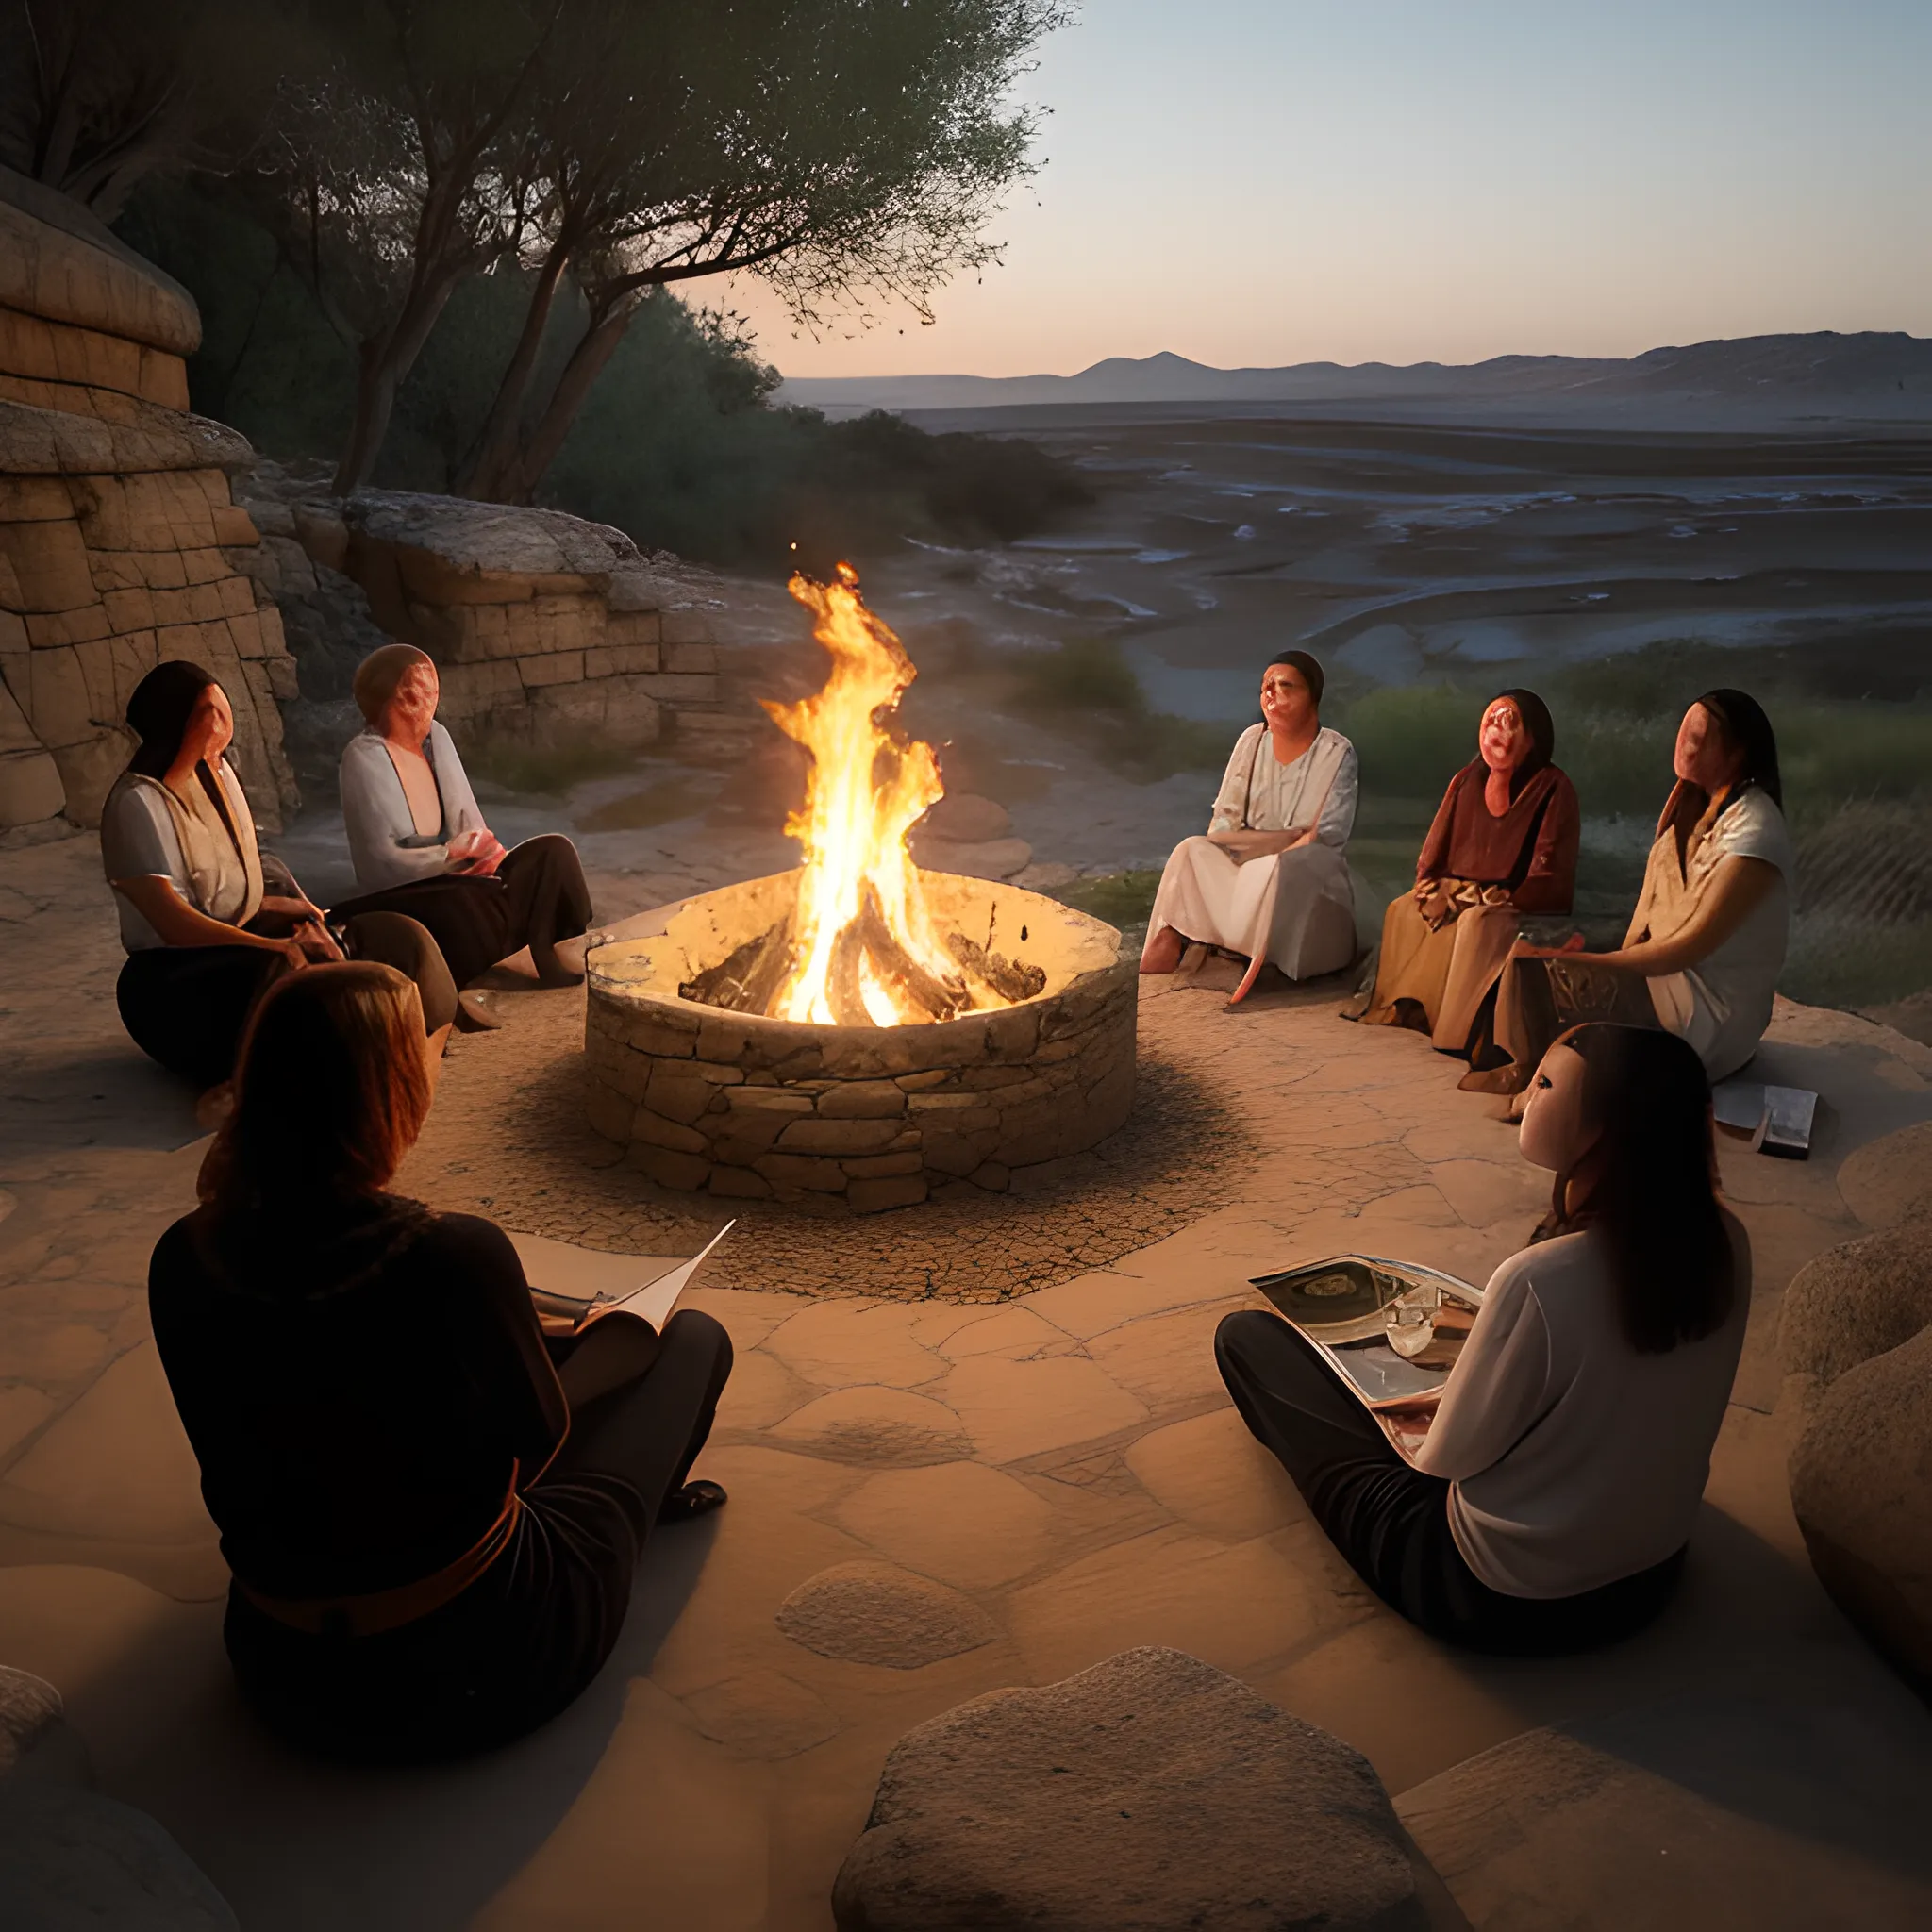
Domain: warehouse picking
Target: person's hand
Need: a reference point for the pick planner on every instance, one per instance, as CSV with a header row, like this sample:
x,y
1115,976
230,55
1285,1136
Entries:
x,y
316,940
1433,903
291,951
477,854
1524,950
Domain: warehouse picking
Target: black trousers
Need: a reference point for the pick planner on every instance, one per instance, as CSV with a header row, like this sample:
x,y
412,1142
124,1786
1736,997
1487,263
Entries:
x,y
1391,1522
523,1640
185,1007
536,897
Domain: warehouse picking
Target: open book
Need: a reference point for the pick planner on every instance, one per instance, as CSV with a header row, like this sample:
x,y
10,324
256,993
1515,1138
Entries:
x,y
1389,1330
656,1298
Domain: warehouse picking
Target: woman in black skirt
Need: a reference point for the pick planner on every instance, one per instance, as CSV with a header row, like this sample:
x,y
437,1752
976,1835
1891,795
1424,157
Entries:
x,y
432,1500
207,929
420,846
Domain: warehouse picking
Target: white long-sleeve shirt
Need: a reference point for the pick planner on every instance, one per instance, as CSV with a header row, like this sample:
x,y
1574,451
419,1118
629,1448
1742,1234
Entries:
x,y
1576,1460
1259,794
375,810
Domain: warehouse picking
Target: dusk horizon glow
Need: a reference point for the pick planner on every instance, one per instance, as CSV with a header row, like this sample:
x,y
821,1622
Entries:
x,y
1251,185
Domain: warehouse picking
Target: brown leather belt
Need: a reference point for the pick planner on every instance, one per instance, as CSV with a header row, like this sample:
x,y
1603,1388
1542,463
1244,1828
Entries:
x,y
380,1610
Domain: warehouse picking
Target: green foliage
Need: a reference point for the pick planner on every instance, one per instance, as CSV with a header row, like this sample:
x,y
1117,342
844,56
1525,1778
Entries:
x,y
1087,688
547,770
1123,899
681,450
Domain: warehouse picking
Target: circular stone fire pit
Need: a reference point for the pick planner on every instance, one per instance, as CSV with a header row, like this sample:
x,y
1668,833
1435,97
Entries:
x,y
862,1117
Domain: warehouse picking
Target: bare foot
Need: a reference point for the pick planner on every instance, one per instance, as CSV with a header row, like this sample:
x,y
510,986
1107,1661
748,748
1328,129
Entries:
x,y
476,1013
1248,979
1163,950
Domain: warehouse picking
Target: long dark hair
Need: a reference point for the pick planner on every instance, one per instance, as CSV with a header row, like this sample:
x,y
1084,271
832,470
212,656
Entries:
x,y
1648,1185
159,708
330,1091
1747,730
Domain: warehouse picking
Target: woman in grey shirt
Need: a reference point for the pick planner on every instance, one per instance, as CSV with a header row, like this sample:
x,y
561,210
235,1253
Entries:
x,y
206,928
420,846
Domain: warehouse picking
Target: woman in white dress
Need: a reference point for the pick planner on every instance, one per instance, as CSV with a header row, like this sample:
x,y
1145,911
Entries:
x,y
420,846
1270,880
1707,943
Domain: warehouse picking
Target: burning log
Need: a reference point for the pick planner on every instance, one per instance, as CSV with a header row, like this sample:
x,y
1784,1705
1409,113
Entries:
x,y
901,975
1010,978
843,993
746,980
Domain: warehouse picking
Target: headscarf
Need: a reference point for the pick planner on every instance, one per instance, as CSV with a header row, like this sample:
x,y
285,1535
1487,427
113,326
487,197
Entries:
x,y
1310,671
1474,844
1542,733
379,673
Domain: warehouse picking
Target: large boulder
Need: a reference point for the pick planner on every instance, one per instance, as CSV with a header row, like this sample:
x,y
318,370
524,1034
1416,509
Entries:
x,y
1856,1301
1855,1335
1861,1477
70,1861
1149,1793
1704,1811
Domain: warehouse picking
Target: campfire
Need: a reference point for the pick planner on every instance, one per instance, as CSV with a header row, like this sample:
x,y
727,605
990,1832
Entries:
x,y
863,946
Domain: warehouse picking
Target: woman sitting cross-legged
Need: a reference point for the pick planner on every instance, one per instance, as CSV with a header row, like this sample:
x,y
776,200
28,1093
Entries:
x,y
1503,845
420,846
1549,1505
1270,880
432,1500
1708,940
203,933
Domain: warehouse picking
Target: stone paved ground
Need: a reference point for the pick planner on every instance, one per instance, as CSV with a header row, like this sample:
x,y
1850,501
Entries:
x,y
1050,1480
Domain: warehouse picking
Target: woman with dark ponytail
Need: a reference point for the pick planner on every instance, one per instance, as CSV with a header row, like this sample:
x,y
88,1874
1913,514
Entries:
x,y
1707,943
1561,1464
205,930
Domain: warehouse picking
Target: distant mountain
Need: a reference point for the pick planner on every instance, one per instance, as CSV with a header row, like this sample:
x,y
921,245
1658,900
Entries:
x,y
1753,369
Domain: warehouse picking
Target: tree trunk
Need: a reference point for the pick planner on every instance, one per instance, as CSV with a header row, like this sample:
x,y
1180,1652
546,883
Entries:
x,y
383,361
536,450
494,463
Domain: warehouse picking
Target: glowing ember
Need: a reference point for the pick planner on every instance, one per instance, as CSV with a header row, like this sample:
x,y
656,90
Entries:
x,y
862,945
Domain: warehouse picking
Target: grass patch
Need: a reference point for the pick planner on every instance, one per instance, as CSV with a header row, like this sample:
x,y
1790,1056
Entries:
x,y
1850,962
1122,898
546,770
1087,689
636,811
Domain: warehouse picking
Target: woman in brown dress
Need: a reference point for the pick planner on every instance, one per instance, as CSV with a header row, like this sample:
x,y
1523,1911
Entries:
x,y
1503,845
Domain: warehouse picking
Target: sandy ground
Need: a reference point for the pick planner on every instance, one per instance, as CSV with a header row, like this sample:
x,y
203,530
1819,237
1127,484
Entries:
x,y
1066,1462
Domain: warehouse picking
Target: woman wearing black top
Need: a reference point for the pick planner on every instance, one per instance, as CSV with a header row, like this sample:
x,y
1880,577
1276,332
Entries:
x,y
432,1500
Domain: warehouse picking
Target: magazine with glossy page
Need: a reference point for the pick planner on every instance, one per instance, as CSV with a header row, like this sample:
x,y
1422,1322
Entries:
x,y
1389,1330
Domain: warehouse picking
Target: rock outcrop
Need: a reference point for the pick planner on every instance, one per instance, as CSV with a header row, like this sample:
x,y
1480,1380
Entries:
x,y
545,628
1702,1812
1148,1792
119,536
1855,1334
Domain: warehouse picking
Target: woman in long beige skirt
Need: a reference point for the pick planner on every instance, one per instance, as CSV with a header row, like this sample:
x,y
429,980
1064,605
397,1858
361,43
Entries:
x,y
1503,845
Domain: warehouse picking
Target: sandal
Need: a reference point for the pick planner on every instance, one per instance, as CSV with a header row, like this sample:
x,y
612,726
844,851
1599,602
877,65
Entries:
x,y
695,1499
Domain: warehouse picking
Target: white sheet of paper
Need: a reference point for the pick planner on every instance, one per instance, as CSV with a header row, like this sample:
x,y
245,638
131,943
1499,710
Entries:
x,y
656,1298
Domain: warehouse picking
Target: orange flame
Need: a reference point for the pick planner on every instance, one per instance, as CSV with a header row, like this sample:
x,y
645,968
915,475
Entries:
x,y
865,789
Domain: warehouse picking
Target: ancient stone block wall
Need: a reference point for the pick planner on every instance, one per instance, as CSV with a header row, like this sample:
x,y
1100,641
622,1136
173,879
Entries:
x,y
545,628
118,536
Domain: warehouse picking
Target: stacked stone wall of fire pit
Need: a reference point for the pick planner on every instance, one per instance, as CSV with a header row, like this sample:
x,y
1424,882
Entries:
x,y
858,1117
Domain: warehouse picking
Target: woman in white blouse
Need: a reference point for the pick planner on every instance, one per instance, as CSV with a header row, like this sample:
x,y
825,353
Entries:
x,y
1549,1505
419,843
1707,942
1270,880
207,930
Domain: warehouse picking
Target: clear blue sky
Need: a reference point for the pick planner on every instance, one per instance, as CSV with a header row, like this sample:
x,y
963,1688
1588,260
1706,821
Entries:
x,y
1269,181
